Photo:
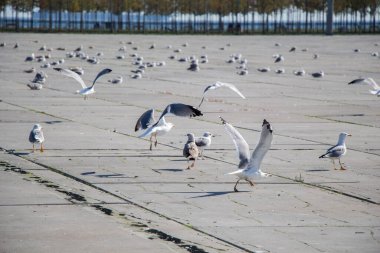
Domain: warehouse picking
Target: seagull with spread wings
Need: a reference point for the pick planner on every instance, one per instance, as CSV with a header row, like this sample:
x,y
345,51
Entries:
x,y
217,85
369,81
249,167
85,91
337,151
160,127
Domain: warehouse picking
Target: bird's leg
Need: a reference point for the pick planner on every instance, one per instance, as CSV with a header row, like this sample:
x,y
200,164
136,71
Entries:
x,y
85,97
151,143
334,164
235,189
341,166
251,183
188,167
42,148
155,136
192,165
33,148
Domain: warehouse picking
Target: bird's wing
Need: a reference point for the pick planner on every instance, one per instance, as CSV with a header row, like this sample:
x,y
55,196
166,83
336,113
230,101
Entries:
x,y
193,150
148,131
335,151
262,147
241,145
72,74
180,110
201,141
103,72
145,120
373,84
218,85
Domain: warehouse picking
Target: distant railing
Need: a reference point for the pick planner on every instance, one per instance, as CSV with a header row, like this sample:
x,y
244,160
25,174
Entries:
x,y
283,27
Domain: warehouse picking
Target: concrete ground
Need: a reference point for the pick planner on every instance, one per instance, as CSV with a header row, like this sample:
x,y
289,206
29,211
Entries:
x,y
98,188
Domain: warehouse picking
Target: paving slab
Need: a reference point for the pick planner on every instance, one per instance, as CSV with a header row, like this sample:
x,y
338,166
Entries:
x,y
97,187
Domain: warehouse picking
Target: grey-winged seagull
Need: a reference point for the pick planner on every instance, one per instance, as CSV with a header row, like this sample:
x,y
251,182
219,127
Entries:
x,y
217,85
249,167
36,136
190,150
85,91
177,109
337,151
146,121
369,81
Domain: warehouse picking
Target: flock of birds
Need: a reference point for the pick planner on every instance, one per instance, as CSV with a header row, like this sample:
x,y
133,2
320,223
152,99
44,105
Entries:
x,y
249,165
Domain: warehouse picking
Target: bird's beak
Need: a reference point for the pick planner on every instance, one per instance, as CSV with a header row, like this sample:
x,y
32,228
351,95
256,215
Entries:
x,y
349,135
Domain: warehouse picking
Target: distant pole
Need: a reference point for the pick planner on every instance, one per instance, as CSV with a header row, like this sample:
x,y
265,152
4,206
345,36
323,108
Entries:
x,y
330,16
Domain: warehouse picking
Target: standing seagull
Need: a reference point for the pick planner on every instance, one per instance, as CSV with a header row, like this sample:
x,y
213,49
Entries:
x,y
203,142
250,167
338,150
146,120
370,82
37,136
177,109
218,85
279,58
85,90
190,150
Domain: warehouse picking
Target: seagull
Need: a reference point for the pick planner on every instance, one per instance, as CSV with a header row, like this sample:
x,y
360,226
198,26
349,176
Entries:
x,y
249,167
146,120
161,126
300,72
85,90
35,86
293,49
77,70
194,66
116,80
40,77
318,74
203,142
280,71
218,85
37,136
266,69
30,58
190,150
370,82
337,151
31,70
279,58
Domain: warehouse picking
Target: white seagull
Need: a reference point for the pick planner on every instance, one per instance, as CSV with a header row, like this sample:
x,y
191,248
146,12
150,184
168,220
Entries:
x,y
146,121
337,151
203,142
375,87
85,91
249,167
36,136
161,126
218,85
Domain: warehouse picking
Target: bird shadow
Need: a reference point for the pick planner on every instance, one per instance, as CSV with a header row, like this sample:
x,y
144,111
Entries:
x,y
113,175
171,170
317,170
209,194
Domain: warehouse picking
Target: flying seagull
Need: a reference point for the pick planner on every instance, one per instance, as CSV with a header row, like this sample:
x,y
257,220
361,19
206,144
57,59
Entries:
x,y
85,90
177,109
218,85
337,151
36,136
146,120
190,150
249,167
203,142
375,87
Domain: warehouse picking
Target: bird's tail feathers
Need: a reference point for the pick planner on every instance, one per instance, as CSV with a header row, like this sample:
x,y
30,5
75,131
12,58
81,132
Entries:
x,y
374,92
234,172
323,156
146,133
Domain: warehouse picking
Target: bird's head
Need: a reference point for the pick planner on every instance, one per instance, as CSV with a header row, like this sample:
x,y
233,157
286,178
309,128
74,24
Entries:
x,y
37,127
